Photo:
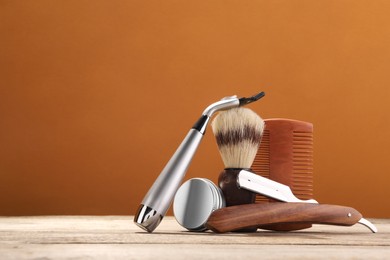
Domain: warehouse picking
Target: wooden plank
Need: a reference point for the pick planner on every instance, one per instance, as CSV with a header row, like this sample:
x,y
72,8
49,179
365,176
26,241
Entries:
x,y
174,251
64,237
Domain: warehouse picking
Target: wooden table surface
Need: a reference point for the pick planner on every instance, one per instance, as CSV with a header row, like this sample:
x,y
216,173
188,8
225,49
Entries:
x,y
116,237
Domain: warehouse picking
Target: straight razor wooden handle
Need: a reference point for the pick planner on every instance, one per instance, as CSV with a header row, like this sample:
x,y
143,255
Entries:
x,y
262,214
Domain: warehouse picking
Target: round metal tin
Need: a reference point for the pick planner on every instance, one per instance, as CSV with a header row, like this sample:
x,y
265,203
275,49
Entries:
x,y
194,202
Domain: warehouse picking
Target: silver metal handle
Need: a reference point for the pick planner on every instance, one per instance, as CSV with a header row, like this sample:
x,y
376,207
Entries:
x,y
159,197
164,188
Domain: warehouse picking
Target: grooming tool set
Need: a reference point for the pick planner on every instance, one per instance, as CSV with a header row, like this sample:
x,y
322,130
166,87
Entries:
x,y
244,200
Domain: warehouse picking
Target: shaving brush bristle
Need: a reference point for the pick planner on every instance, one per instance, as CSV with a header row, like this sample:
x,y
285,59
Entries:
x,y
238,132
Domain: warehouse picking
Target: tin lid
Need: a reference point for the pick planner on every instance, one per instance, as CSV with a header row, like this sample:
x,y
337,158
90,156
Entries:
x,y
194,202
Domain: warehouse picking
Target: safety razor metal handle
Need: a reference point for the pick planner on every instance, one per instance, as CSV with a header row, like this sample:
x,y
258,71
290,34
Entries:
x,y
158,199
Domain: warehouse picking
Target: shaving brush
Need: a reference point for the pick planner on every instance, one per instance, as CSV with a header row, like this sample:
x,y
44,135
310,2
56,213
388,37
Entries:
x,y
238,132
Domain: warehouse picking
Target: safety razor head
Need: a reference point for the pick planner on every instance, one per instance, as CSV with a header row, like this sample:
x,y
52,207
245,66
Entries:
x,y
244,101
230,102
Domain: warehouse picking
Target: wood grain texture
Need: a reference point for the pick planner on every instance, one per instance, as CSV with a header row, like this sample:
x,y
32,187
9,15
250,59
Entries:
x,y
255,215
116,237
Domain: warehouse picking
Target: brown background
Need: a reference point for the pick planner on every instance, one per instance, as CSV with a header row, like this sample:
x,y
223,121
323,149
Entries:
x,y
95,96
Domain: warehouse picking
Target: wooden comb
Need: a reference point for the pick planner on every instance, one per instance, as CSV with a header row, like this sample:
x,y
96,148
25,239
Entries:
x,y
286,156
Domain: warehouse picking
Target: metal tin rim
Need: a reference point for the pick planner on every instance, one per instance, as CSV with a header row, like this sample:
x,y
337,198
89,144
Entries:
x,y
194,202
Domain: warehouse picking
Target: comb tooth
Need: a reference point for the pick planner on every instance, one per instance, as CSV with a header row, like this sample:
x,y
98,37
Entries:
x,y
303,139
297,164
299,184
300,146
303,190
302,181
